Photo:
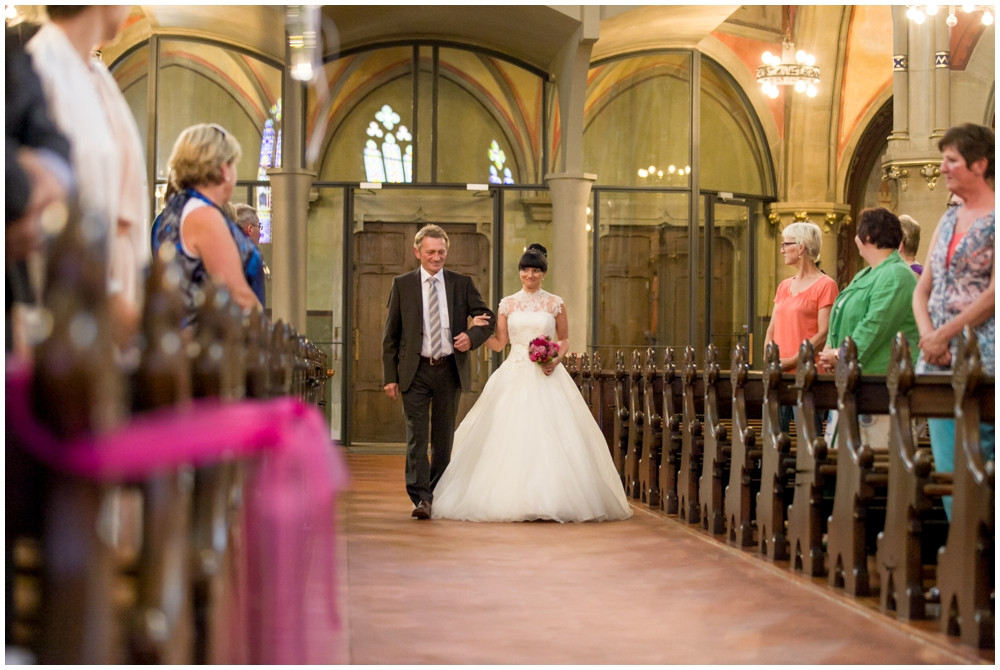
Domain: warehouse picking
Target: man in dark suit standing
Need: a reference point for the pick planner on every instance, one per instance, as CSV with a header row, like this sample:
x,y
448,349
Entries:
x,y
425,358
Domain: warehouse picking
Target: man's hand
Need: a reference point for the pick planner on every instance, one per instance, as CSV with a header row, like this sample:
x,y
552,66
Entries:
x,y
462,342
391,390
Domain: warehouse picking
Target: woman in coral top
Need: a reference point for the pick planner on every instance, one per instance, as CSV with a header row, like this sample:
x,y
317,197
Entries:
x,y
802,303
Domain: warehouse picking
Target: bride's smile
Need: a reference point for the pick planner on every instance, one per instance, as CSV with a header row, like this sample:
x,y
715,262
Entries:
x,y
531,279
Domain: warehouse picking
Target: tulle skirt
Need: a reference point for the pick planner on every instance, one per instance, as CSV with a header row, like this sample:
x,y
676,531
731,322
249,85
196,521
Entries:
x,y
530,449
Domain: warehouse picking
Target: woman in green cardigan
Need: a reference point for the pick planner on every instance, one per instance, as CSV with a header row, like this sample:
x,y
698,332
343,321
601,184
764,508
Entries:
x,y
876,305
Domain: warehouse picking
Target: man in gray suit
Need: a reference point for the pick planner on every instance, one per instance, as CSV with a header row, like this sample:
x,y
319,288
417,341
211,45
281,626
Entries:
x,y
425,358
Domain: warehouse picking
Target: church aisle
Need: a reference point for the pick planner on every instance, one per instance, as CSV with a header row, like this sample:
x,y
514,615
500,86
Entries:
x,y
646,590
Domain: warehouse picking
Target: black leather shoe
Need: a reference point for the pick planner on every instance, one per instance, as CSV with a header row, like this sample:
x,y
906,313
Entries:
x,y
422,510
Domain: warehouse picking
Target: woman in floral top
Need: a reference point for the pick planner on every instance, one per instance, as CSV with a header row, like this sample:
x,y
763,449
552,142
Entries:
x,y
958,286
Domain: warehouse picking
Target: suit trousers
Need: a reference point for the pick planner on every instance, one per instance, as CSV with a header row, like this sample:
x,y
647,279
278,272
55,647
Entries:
x,y
431,403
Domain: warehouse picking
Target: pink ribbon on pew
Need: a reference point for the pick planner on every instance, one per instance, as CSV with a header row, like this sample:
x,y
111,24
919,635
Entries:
x,y
290,494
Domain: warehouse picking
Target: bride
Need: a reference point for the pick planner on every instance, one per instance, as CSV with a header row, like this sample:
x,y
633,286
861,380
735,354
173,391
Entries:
x,y
529,448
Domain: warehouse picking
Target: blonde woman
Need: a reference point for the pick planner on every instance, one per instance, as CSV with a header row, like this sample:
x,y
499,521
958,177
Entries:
x,y
802,303
202,174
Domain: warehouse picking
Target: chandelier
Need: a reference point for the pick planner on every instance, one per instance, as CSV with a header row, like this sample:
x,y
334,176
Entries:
x,y
793,68
919,13
671,175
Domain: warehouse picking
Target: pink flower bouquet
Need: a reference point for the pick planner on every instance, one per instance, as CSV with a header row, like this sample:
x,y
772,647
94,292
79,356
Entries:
x,y
542,350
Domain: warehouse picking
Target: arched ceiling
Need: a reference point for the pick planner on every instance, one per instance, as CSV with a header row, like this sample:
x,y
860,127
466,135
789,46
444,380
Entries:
x,y
533,34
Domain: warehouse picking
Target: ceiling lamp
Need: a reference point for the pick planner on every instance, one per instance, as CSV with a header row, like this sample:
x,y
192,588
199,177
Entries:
x,y
919,13
793,68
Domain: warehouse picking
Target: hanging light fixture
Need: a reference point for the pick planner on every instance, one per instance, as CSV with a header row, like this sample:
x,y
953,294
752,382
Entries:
x,y
919,13
793,68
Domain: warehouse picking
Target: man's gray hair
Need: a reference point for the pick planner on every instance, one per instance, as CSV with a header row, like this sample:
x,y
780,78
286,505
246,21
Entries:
x,y
245,214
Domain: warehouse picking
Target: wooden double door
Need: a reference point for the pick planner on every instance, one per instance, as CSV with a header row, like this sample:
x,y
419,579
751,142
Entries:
x,y
383,250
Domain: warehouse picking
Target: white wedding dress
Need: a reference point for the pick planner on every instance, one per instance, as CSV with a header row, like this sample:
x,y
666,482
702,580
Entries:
x,y
529,448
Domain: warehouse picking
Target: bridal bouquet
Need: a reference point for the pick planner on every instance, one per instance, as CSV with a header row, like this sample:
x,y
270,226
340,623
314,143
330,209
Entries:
x,y
542,350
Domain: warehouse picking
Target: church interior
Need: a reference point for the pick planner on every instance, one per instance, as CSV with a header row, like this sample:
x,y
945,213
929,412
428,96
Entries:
x,y
658,152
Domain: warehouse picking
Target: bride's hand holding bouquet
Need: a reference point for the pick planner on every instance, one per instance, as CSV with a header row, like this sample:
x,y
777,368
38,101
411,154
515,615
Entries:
x,y
545,352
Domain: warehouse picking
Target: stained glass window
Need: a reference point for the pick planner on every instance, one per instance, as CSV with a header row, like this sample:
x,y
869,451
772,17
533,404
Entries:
x,y
498,173
391,160
270,156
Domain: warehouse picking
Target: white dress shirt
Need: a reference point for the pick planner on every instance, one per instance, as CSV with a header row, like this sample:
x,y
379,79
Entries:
x,y
446,344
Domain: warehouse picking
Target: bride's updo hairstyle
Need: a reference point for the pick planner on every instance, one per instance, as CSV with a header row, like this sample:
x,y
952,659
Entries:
x,y
535,257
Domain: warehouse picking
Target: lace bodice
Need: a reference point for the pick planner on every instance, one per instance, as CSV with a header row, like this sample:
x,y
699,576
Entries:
x,y
528,316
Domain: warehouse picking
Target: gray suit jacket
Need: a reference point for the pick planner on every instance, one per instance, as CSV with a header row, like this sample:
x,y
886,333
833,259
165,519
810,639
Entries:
x,y
404,326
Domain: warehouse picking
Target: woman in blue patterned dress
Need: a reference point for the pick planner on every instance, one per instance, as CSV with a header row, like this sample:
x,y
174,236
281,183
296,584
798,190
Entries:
x,y
193,226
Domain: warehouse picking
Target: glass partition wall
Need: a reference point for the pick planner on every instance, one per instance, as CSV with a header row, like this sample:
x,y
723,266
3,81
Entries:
x,y
408,134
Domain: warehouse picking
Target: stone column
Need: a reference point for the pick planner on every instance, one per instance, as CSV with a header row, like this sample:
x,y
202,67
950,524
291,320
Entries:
x,y
290,184
568,257
289,237
570,185
921,101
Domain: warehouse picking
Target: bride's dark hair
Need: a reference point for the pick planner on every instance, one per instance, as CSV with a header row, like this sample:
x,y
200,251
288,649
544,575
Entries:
x,y
536,256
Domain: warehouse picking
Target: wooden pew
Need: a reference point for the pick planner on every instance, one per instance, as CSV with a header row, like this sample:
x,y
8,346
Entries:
x,y
966,563
914,488
776,459
692,442
717,450
161,625
862,476
76,389
572,364
619,443
744,465
672,439
815,467
652,432
636,420
586,381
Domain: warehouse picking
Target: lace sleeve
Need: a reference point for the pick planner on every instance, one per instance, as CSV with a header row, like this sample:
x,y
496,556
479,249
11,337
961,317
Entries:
x,y
556,307
504,308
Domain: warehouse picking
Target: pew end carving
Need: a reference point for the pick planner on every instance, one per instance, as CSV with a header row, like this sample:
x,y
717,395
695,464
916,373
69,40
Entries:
x,y
776,455
620,440
744,468
716,450
862,477
633,450
966,563
652,432
815,467
672,440
692,441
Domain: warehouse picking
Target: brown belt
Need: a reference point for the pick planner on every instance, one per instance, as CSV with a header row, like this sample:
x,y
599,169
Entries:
x,y
436,361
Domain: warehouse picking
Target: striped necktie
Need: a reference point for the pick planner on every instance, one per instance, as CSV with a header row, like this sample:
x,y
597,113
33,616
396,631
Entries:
x,y
434,311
